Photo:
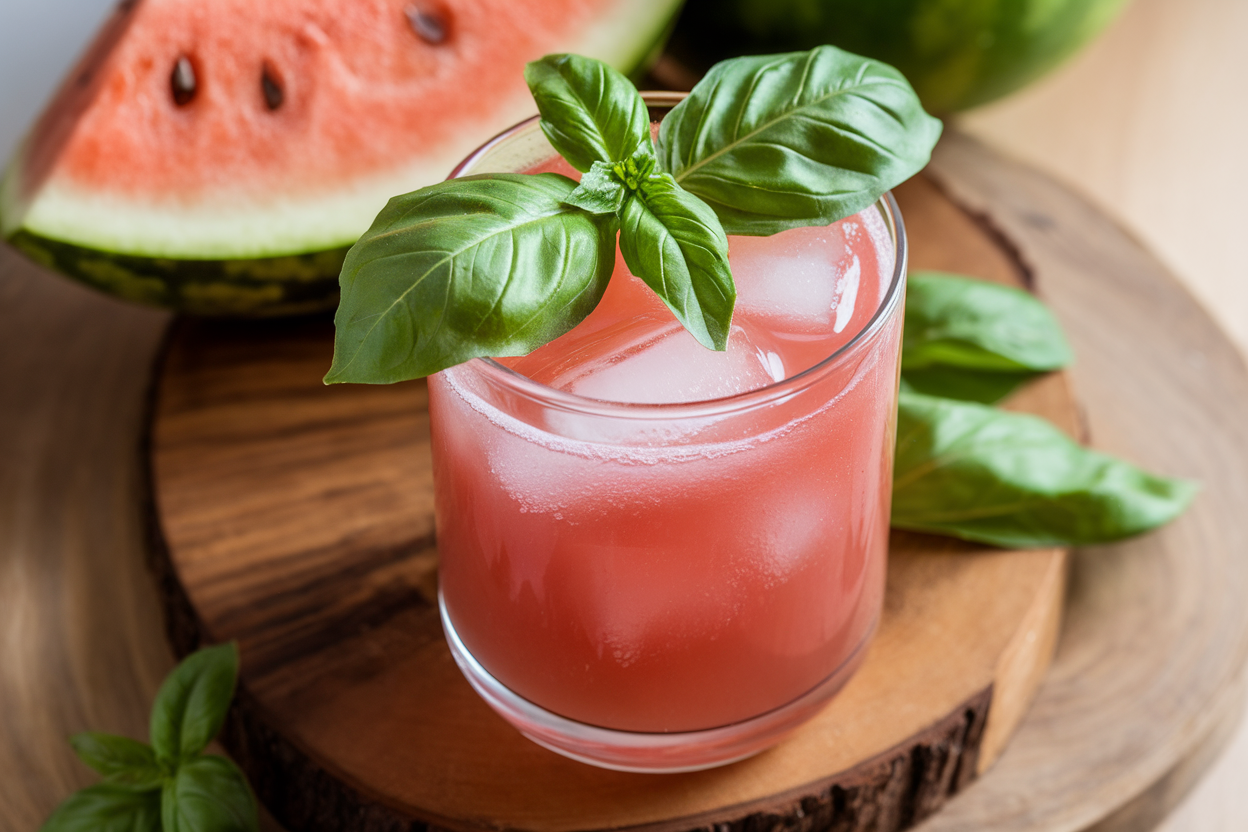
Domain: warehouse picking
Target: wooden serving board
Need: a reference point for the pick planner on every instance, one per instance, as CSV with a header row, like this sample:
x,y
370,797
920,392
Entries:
x,y
298,519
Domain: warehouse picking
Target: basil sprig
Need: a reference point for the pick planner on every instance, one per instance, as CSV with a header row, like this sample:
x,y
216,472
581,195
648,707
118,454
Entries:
x,y
779,141
501,265
974,340
972,471
170,785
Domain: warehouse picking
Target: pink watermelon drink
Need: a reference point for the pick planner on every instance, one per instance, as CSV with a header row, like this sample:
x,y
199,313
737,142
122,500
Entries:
x,y
660,557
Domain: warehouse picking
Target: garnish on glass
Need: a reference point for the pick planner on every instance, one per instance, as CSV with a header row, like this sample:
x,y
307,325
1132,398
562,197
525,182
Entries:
x,y
499,265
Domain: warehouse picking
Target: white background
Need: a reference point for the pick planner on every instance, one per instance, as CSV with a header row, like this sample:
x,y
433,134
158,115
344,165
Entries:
x,y
39,40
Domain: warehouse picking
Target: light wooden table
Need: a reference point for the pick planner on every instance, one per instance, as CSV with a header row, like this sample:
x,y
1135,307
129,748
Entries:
x,y
1150,122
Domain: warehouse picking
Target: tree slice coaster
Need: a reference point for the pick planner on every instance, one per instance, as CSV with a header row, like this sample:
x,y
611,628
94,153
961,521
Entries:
x,y
298,519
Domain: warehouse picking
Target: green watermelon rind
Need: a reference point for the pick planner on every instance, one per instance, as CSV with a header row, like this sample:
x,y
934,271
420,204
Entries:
x,y
211,282
259,287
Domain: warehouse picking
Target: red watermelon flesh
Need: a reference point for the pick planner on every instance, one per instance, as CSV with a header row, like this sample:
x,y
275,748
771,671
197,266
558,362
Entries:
x,y
236,129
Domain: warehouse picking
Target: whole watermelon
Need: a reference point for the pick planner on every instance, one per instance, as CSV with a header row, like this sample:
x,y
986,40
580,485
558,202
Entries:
x,y
956,53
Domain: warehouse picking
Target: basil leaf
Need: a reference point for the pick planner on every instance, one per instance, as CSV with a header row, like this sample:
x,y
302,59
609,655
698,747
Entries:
x,y
590,112
600,191
479,266
673,241
987,387
209,794
970,471
120,759
957,321
192,703
806,138
107,807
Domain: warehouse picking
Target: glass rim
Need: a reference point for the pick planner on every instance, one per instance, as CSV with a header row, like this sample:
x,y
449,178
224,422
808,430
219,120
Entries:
x,y
545,395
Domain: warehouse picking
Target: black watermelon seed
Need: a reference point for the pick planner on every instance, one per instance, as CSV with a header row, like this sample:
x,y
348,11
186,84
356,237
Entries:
x,y
429,27
182,80
273,95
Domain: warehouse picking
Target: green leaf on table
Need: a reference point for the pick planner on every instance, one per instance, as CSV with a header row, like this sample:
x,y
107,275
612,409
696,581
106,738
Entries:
x,y
107,807
590,112
673,241
975,340
209,794
121,760
192,703
957,321
1008,479
600,191
480,266
807,138
984,386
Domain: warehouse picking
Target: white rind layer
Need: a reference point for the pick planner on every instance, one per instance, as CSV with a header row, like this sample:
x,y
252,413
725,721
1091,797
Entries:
x,y
229,226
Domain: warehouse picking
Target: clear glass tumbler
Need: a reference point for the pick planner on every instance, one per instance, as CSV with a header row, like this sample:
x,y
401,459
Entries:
x,y
665,587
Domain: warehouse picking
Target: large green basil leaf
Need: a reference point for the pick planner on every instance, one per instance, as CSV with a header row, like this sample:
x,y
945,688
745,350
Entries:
x,y
673,241
807,138
970,471
590,112
107,807
120,759
480,266
957,321
192,703
209,794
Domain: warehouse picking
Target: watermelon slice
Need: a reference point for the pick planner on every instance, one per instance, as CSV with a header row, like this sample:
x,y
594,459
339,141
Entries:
x,y
219,156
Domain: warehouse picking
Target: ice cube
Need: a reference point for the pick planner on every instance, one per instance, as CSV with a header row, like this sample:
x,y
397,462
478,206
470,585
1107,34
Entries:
x,y
647,360
793,282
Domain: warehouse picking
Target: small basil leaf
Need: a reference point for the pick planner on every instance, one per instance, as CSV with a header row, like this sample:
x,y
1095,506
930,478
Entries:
x,y
209,794
107,807
120,759
956,321
600,191
806,138
590,112
480,266
970,471
673,241
192,703
985,386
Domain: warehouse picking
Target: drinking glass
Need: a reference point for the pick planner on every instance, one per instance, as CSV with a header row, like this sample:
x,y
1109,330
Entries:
x,y
665,587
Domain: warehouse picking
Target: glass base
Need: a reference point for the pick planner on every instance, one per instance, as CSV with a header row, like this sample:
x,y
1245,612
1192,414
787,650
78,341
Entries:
x,y
647,752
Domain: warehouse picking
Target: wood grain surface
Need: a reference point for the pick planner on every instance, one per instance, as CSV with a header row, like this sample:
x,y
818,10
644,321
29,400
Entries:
x,y
1153,618
298,519
1109,743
